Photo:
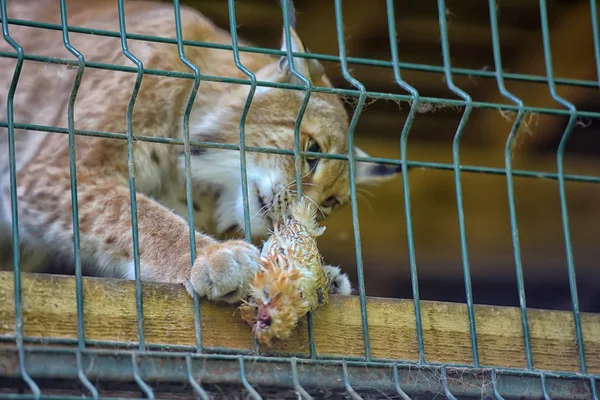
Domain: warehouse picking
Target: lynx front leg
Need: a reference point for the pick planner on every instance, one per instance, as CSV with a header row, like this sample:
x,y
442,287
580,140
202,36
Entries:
x,y
222,270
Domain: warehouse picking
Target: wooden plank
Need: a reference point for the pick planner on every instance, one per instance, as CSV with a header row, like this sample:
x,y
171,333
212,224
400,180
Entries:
x,y
49,310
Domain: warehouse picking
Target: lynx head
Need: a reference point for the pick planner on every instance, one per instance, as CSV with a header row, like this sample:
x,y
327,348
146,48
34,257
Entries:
x,y
270,123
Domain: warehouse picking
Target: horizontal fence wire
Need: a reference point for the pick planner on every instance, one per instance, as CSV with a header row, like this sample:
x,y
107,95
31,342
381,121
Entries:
x,y
167,350
331,156
317,89
321,57
139,352
150,371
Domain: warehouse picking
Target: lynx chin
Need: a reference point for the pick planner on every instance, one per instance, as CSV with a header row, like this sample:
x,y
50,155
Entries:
x,y
222,268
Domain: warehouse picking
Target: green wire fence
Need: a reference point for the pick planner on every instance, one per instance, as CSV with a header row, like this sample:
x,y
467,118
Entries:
x,y
302,375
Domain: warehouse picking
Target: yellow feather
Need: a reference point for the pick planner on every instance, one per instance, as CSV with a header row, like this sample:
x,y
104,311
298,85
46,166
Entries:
x,y
291,280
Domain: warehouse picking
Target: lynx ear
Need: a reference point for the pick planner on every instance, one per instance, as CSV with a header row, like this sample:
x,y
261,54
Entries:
x,y
309,68
366,172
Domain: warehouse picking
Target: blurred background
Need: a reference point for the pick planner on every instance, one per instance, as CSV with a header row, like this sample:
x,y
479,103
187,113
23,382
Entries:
x,y
491,255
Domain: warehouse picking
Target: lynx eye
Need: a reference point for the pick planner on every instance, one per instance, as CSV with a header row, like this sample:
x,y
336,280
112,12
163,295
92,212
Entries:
x,y
312,160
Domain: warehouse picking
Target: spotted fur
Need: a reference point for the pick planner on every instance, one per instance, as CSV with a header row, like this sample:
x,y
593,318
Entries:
x,y
223,269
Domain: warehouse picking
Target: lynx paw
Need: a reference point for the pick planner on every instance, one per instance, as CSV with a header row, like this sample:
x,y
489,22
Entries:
x,y
340,283
223,271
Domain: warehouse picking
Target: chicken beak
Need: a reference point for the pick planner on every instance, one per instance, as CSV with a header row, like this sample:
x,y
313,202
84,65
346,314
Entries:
x,y
263,318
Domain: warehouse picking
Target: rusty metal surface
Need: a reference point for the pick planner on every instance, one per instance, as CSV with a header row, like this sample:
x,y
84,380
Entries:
x,y
166,373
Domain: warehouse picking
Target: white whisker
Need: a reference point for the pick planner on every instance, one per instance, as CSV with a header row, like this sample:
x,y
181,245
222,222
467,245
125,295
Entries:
x,y
363,197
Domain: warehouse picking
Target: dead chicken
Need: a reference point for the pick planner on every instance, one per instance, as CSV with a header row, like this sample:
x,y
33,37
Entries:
x,y
292,279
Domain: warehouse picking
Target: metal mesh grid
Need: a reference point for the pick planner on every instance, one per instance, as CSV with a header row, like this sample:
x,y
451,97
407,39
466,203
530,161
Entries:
x,y
183,362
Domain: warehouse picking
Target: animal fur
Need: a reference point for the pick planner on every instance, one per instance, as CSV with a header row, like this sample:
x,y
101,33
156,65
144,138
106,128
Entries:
x,y
222,269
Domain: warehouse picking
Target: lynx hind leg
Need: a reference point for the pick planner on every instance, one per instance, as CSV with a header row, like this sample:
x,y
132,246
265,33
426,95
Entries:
x,y
339,283
223,271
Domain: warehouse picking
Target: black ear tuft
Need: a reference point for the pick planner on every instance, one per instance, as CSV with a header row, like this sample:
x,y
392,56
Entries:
x,y
386,170
368,172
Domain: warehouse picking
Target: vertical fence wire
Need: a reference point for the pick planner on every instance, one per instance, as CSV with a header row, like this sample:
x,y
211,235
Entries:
x,y
74,200
83,378
544,388
456,157
242,136
561,181
188,167
13,202
339,21
131,170
509,178
497,395
405,186
596,33
251,391
146,389
289,18
300,391
447,391
593,388
198,389
252,77
397,385
347,384
73,171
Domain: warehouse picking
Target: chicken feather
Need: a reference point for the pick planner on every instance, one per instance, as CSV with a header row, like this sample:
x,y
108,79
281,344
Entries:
x,y
291,281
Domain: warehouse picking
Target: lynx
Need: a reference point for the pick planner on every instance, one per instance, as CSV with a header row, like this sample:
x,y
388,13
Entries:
x,y
223,267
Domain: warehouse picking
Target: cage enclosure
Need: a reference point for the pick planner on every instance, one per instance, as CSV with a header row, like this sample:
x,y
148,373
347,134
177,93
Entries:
x,y
474,267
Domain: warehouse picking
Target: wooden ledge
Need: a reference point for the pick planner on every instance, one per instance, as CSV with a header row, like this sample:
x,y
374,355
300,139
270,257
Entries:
x,y
49,310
